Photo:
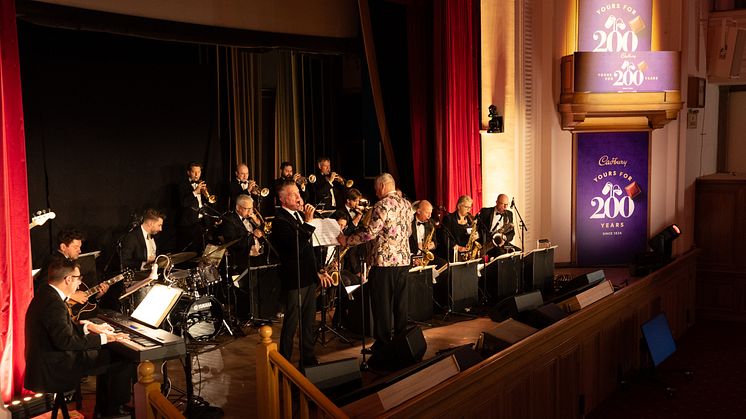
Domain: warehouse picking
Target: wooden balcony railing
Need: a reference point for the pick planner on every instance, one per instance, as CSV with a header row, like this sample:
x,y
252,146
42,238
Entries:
x,y
282,391
150,403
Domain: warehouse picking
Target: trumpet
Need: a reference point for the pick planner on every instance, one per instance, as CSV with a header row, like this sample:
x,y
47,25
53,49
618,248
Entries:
x,y
306,179
337,178
257,190
203,190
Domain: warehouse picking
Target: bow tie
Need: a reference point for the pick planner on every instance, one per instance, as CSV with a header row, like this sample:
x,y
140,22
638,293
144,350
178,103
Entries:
x,y
421,223
194,182
243,182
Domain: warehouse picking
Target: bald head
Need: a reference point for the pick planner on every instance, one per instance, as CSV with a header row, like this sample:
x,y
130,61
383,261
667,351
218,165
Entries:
x,y
424,210
242,172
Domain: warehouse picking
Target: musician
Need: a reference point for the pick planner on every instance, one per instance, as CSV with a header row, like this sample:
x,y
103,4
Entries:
x,y
244,224
241,184
292,222
389,229
287,172
69,244
138,246
496,225
59,352
192,193
457,227
422,227
351,211
328,194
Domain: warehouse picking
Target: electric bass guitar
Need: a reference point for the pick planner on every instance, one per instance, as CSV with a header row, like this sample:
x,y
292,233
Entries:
x,y
41,217
127,275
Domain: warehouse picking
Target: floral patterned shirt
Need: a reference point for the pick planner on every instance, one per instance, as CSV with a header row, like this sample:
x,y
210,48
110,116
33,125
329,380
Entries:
x,y
389,228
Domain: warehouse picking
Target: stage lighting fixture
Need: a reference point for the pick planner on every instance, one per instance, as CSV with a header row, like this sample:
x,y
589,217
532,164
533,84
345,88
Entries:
x,y
661,242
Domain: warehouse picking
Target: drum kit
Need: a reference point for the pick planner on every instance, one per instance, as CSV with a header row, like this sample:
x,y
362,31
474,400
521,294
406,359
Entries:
x,y
198,314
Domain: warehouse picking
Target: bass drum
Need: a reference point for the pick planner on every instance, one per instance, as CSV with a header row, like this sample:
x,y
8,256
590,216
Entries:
x,y
197,319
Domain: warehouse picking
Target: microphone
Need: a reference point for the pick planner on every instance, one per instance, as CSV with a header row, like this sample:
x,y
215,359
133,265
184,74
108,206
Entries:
x,y
512,202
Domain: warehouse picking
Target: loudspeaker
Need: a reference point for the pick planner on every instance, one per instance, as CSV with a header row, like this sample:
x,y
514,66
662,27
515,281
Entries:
x,y
589,279
420,290
335,377
405,349
511,306
725,50
543,316
502,336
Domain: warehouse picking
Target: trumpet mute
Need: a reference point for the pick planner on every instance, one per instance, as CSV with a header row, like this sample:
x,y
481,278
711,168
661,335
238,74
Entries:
x,y
311,178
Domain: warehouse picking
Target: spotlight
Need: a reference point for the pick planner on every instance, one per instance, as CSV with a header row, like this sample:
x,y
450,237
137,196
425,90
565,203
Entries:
x,y
661,242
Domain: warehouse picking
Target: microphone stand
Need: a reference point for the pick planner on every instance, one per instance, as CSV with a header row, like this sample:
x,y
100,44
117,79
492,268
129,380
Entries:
x,y
523,229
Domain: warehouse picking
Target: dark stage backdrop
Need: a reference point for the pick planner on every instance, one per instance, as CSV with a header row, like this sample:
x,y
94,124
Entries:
x,y
110,124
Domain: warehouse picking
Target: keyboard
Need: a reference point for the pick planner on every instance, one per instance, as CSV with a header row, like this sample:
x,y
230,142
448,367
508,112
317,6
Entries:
x,y
145,343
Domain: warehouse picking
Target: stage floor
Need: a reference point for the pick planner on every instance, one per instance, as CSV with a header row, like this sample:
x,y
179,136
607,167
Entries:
x,y
224,371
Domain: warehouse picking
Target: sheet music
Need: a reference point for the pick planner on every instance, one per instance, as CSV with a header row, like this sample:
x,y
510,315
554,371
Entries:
x,y
327,231
351,288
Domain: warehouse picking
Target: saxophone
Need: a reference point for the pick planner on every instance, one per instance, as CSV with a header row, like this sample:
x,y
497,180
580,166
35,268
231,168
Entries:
x,y
333,269
428,255
472,246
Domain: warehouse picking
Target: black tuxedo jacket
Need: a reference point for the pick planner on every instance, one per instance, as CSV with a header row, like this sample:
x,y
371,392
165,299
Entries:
x,y
58,353
351,228
284,229
232,228
486,216
323,193
188,203
134,250
413,242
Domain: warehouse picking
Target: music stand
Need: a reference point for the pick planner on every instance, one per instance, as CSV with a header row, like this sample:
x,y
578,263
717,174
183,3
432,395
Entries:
x,y
500,275
157,305
538,270
464,286
420,290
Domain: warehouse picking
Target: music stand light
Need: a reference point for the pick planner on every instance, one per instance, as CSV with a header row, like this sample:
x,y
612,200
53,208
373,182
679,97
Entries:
x,y
661,242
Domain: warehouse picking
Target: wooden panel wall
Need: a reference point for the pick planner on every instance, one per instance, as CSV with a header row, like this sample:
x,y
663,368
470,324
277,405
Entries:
x,y
720,231
568,368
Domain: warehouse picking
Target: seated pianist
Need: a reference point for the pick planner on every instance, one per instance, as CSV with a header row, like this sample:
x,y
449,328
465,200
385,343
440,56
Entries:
x,y
59,351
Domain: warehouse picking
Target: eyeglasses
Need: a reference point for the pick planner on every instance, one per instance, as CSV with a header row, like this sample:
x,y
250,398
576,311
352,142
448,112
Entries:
x,y
78,277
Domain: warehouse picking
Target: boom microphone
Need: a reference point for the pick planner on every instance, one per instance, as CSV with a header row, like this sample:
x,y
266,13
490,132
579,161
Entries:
x,y
512,202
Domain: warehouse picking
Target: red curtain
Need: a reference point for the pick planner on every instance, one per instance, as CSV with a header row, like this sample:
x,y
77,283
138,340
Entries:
x,y
455,109
16,286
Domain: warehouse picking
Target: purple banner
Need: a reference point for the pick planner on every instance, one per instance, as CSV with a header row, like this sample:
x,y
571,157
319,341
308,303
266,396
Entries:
x,y
611,197
605,26
614,72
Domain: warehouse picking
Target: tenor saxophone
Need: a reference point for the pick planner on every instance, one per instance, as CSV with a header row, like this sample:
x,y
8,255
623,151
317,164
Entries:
x,y
472,246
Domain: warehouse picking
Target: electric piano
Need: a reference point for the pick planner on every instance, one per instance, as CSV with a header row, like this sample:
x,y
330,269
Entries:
x,y
145,343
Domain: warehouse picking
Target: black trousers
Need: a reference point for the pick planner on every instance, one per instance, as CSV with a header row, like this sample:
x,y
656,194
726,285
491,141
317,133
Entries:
x,y
307,312
389,302
114,376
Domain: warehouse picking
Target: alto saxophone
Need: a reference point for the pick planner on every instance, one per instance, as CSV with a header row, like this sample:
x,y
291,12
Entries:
x,y
472,246
428,256
333,269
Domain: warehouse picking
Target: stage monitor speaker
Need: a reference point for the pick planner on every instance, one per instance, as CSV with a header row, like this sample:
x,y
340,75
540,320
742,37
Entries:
x,y
464,285
405,349
420,290
543,316
585,280
502,336
337,377
511,306
352,318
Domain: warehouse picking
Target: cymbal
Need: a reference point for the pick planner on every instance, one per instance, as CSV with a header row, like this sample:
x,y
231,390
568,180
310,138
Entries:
x,y
177,258
224,246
